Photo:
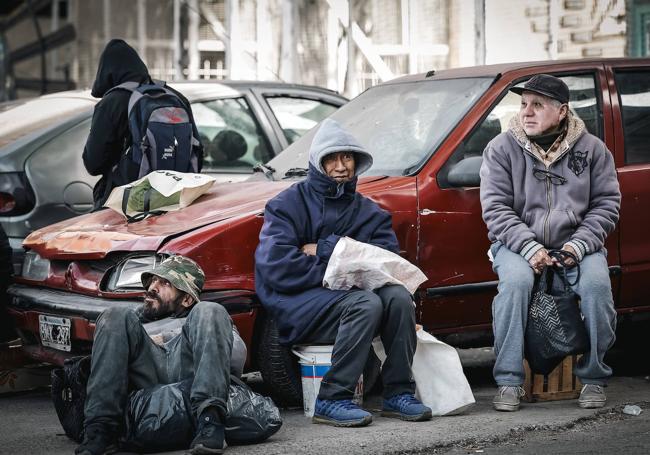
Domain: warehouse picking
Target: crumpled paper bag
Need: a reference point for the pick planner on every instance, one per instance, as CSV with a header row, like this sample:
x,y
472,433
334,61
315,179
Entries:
x,y
369,267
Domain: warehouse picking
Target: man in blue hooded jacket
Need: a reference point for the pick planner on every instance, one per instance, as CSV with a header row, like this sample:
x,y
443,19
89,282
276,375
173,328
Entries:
x,y
301,227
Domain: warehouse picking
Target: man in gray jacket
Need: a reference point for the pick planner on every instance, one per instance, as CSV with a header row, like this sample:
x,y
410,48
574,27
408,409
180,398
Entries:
x,y
547,183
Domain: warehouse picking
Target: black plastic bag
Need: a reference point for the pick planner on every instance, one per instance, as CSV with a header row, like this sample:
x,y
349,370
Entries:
x,y
161,418
69,394
555,328
251,417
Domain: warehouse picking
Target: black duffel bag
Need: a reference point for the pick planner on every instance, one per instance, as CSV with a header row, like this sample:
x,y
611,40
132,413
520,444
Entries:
x,y
555,328
69,394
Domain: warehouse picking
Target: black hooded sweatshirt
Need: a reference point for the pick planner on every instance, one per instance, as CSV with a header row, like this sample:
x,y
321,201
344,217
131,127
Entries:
x,y
109,136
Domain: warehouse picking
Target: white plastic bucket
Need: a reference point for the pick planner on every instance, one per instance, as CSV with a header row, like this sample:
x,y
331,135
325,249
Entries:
x,y
315,361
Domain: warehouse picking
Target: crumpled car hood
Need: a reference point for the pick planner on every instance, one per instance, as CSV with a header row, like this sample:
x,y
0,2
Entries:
x,y
94,235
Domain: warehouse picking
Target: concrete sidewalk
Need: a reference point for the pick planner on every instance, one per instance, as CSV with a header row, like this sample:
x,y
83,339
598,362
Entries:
x,y
31,426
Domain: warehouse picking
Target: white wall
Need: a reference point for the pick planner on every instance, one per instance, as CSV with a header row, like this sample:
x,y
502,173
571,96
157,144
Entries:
x,y
509,35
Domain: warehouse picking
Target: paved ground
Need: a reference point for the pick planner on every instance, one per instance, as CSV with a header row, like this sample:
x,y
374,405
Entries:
x,y
608,432
30,426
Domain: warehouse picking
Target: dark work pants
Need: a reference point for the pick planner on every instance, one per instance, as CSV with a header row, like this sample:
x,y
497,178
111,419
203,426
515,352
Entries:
x,y
125,358
351,324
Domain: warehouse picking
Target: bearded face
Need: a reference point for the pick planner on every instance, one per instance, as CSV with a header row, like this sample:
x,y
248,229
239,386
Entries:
x,y
162,299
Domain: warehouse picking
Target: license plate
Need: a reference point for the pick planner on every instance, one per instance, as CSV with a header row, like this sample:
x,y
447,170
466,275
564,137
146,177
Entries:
x,y
55,332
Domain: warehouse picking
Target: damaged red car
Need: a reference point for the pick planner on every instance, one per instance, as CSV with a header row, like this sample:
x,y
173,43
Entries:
x,y
427,133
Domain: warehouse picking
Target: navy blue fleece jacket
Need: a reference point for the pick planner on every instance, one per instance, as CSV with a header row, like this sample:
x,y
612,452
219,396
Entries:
x,y
315,210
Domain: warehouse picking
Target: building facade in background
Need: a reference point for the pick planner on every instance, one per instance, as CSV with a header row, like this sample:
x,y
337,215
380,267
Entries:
x,y
345,45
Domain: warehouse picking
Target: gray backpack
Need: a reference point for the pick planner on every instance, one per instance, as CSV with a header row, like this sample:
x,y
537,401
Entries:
x,y
163,133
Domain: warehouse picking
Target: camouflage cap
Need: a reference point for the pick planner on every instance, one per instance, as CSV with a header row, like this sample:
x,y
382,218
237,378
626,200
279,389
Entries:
x,y
183,273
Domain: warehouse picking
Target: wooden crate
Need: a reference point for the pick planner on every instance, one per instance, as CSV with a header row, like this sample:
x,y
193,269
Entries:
x,y
560,384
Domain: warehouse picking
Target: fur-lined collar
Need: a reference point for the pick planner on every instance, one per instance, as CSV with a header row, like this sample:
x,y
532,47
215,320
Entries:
x,y
575,129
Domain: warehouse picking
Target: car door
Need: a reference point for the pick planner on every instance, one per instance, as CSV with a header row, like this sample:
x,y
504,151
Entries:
x,y
630,85
453,237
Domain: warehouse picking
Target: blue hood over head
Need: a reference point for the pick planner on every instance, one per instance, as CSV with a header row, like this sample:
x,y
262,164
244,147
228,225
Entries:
x,y
331,137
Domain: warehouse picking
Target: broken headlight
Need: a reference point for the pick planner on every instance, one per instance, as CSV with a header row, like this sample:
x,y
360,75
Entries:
x,y
35,267
125,276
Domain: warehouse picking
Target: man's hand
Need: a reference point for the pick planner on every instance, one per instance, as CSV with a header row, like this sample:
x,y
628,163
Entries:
x,y
568,260
309,249
539,260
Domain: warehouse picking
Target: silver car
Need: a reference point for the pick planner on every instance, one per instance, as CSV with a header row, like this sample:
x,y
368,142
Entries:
x,y
42,176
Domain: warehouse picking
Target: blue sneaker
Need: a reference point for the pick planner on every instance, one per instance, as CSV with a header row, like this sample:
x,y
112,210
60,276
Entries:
x,y
406,407
340,413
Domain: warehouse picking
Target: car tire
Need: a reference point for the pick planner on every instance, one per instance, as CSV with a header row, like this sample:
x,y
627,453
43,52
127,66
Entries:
x,y
279,367
281,371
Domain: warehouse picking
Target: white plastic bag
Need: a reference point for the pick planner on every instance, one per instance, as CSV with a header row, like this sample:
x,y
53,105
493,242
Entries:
x,y
169,328
187,185
439,379
369,267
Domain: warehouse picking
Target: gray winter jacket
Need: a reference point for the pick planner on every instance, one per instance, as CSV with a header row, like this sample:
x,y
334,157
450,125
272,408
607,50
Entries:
x,y
527,213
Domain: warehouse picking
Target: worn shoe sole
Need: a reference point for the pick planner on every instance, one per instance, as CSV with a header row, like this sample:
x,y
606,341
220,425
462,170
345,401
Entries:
x,y
591,404
342,423
505,407
200,449
414,418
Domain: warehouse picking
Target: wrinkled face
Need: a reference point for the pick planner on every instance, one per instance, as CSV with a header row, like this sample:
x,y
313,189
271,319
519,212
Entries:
x,y
339,166
540,114
163,299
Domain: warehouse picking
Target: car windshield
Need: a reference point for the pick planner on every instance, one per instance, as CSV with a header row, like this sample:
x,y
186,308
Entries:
x,y
401,125
18,119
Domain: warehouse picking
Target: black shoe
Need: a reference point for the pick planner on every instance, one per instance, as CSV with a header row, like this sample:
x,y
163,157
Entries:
x,y
98,440
210,435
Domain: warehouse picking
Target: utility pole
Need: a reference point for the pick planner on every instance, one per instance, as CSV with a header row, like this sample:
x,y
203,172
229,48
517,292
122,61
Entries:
x,y
479,38
351,84
289,66
178,45
193,39
553,28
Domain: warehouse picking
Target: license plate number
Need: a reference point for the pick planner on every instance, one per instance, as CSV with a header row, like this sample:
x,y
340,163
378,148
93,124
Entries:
x,y
55,332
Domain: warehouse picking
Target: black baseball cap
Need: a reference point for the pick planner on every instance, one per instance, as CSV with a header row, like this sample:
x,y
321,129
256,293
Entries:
x,y
546,85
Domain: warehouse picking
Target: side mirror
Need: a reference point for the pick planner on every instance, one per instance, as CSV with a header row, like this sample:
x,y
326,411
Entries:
x,y
465,173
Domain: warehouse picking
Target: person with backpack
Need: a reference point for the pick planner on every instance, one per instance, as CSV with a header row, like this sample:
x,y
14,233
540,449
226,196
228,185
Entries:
x,y
132,110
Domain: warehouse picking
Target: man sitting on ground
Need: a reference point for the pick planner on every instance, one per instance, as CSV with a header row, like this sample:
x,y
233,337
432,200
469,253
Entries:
x,y
124,357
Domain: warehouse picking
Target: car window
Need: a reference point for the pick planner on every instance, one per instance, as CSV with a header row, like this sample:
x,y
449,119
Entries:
x,y
231,136
634,92
18,119
400,124
296,116
583,103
